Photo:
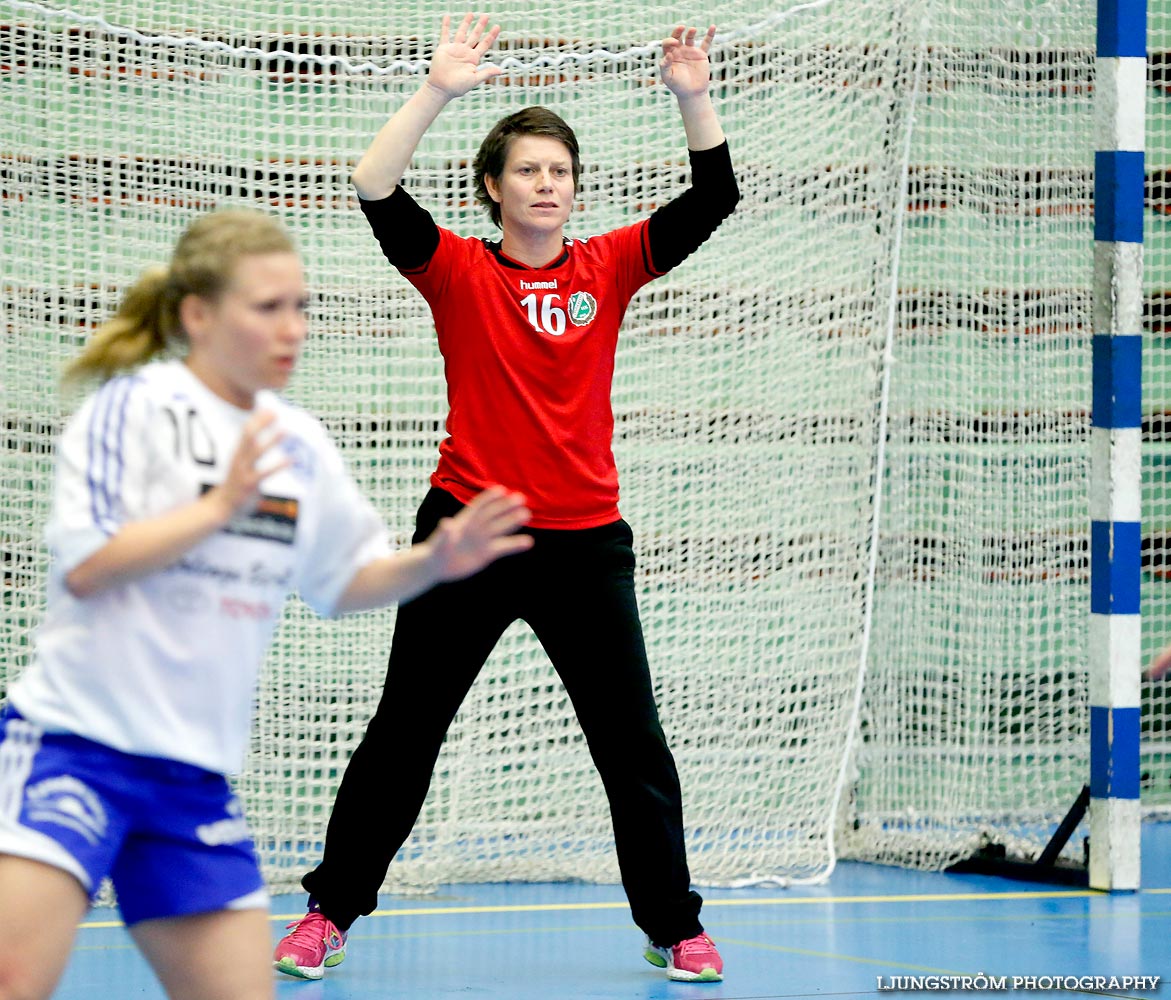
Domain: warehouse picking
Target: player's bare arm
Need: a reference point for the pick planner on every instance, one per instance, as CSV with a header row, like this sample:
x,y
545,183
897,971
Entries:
x,y
686,71
143,547
460,546
455,69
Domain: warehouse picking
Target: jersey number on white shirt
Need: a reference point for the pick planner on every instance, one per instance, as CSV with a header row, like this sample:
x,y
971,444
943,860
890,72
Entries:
x,y
190,431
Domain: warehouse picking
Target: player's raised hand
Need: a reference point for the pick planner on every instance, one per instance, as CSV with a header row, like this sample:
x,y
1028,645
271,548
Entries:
x,y
685,68
455,64
483,531
252,462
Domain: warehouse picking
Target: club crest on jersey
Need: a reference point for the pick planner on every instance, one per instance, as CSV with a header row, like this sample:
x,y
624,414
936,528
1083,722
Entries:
x,y
582,308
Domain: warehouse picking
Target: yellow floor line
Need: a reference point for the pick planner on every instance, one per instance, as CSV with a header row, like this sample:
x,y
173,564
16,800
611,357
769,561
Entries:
x,y
954,897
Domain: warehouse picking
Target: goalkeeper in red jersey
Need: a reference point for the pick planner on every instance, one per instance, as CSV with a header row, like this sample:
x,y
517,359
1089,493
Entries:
x,y
528,327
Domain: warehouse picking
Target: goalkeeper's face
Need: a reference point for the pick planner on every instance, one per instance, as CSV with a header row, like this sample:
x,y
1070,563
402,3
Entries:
x,y
535,190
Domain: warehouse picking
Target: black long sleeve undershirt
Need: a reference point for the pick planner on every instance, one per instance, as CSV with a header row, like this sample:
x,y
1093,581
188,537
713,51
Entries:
x,y
676,230
404,229
408,235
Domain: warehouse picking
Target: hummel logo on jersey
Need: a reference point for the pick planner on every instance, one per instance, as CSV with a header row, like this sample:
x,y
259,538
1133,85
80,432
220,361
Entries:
x,y
530,285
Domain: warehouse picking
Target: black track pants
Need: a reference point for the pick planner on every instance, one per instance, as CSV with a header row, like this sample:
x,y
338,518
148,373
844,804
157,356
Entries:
x,y
575,589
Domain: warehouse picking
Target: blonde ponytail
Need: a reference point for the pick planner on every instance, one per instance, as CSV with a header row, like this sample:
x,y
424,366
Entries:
x,y
142,327
147,322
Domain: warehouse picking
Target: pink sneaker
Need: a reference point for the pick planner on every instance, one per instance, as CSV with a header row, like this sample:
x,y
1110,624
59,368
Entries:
x,y
692,961
312,945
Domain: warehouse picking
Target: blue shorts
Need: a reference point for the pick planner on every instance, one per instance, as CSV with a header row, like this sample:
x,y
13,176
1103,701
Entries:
x,y
170,836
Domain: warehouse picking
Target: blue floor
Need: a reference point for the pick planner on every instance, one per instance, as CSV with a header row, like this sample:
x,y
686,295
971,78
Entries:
x,y
855,935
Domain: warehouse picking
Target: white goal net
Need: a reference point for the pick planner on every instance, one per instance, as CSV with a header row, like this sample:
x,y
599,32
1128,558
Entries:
x,y
852,429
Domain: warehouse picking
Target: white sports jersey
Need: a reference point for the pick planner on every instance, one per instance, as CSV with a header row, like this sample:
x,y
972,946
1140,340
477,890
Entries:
x,y
166,665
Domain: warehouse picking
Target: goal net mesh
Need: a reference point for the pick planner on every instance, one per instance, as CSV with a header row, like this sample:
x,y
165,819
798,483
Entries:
x,y
852,430
1156,498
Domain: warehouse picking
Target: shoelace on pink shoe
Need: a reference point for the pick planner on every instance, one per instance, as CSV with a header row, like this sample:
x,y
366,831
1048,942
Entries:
x,y
309,932
701,945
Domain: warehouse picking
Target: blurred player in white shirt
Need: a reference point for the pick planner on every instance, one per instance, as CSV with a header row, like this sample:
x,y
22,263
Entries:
x,y
189,501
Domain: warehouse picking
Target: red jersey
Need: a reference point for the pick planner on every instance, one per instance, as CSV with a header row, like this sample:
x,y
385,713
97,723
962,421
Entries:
x,y
529,360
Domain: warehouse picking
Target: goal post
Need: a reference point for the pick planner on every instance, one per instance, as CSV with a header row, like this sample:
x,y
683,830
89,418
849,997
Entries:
x,y
853,430
1116,477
